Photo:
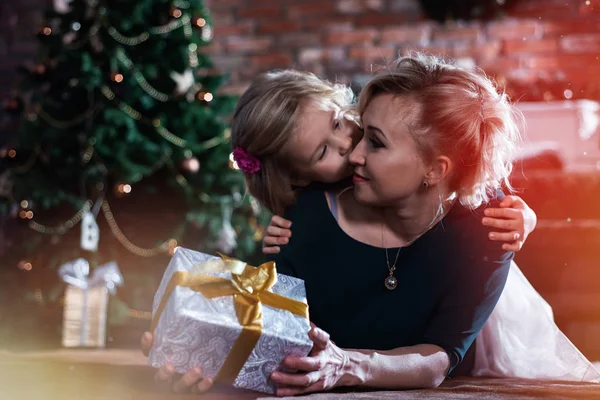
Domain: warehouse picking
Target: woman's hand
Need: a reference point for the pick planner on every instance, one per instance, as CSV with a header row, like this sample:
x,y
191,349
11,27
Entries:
x,y
327,366
515,217
278,233
191,381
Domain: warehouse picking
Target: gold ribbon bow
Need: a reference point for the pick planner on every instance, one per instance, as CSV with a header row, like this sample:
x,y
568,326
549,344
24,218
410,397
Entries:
x,y
249,287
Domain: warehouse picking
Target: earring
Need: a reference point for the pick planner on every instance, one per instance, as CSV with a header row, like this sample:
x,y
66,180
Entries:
x,y
425,184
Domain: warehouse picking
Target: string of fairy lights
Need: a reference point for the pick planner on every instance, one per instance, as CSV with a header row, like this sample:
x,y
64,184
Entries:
x,y
181,20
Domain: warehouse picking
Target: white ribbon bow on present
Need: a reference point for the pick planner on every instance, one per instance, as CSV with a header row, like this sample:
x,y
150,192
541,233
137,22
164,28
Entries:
x,y
76,273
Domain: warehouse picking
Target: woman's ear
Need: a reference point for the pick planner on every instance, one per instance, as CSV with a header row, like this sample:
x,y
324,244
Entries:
x,y
440,168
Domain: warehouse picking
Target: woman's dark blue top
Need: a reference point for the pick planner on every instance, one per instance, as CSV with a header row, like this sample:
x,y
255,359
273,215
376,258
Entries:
x,y
449,280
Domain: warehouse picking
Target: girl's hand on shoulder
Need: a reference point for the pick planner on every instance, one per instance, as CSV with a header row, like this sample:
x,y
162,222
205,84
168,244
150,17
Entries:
x,y
516,220
277,233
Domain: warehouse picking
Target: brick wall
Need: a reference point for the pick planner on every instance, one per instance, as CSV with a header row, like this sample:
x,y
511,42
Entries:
x,y
538,42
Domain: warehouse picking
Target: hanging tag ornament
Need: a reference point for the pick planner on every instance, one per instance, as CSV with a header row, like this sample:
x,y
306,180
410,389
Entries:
x,y
90,234
226,241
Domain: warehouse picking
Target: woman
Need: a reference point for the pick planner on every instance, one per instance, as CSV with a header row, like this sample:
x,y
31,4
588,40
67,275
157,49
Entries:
x,y
406,273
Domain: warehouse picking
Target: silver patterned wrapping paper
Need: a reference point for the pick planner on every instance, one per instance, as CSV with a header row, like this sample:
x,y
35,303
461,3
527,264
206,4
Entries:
x,y
194,331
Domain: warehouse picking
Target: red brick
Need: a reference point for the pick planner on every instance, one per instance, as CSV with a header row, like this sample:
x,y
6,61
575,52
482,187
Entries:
x,y
309,56
311,9
410,34
279,27
261,11
531,46
578,60
439,49
515,29
480,52
380,19
587,43
564,61
352,37
229,62
580,77
525,76
242,28
222,17
406,7
436,49
358,6
335,55
341,67
565,27
500,65
315,55
213,48
457,33
299,40
223,5
330,23
236,89
245,45
248,72
271,60
542,62
373,53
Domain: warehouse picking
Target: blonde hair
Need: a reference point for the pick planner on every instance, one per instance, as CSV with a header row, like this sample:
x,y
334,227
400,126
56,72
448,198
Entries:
x,y
267,116
461,115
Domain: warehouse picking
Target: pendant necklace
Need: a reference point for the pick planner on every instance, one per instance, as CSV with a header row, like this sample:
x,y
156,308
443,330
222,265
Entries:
x,y
391,282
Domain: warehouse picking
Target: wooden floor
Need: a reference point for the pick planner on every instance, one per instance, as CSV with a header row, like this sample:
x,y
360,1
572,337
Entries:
x,y
90,375
124,375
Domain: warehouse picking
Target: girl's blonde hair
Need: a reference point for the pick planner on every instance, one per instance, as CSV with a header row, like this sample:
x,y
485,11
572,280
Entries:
x,y
267,116
461,115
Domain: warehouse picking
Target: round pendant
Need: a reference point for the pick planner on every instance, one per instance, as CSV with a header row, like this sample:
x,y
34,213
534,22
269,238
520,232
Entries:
x,y
391,282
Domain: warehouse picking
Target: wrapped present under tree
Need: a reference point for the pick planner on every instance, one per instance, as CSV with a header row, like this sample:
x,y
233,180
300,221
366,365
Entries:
x,y
86,302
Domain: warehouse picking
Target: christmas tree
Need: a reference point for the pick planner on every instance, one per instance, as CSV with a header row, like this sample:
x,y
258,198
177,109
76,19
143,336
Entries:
x,y
120,118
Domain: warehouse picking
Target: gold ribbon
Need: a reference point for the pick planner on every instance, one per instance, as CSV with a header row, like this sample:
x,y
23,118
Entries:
x,y
249,287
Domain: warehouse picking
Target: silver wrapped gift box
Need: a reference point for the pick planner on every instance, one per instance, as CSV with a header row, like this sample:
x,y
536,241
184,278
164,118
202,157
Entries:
x,y
236,322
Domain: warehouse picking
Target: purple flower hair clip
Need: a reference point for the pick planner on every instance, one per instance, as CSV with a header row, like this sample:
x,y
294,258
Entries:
x,y
246,162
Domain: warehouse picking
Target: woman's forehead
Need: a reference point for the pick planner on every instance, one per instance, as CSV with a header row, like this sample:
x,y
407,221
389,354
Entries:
x,y
392,109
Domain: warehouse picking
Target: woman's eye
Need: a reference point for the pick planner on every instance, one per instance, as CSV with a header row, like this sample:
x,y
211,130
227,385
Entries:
x,y
375,143
323,153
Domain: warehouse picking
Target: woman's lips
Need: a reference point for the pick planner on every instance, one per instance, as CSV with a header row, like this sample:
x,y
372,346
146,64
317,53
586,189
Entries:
x,y
358,178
